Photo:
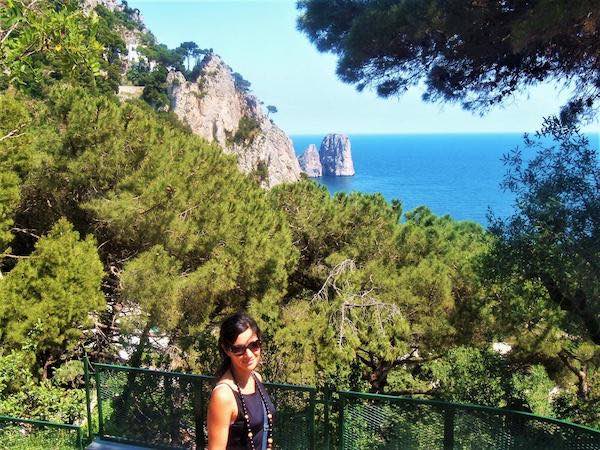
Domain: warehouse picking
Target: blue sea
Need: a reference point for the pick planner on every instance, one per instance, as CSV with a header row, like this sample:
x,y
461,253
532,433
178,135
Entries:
x,y
455,174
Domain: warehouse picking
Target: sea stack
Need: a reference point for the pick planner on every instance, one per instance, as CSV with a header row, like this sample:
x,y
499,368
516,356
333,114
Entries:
x,y
336,155
310,162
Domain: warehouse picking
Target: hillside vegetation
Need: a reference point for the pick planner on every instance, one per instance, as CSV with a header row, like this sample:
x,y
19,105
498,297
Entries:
x,y
117,225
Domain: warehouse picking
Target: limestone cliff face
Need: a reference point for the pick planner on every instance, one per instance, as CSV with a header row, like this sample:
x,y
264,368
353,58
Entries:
x,y
89,5
336,155
217,110
310,162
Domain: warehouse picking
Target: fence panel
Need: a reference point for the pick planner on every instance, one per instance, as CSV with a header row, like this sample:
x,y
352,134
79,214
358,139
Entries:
x,y
370,423
483,428
168,409
295,418
161,409
27,434
378,422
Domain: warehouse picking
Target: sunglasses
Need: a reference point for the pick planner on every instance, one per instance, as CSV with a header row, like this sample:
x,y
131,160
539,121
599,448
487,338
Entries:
x,y
239,350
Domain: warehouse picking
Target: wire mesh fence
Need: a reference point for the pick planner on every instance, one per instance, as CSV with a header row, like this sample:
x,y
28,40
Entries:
x,y
168,410
26,434
160,409
377,422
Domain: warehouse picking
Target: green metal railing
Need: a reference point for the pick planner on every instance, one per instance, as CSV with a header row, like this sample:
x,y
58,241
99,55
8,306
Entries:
x,y
168,410
370,421
27,434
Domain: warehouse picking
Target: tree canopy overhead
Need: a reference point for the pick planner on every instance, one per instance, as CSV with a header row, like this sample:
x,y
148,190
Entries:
x,y
475,52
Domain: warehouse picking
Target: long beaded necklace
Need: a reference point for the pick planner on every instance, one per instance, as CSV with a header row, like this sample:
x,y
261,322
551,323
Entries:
x,y
247,416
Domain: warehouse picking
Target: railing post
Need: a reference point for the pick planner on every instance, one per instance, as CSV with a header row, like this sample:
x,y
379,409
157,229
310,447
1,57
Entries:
x,y
311,421
198,398
173,412
342,425
326,408
79,439
88,400
99,394
448,428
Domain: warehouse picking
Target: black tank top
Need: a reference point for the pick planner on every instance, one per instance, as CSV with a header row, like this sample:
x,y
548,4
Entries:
x,y
238,436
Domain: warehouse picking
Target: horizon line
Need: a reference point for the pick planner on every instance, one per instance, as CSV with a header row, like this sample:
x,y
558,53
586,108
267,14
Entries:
x,y
419,133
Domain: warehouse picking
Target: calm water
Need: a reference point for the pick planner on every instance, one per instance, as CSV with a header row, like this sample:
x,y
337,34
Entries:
x,y
456,174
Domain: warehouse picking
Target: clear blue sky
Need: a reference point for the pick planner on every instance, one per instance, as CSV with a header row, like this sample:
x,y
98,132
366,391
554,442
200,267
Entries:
x,y
258,38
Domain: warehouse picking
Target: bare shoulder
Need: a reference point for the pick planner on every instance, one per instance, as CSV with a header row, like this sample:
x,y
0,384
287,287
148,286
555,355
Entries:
x,y
222,411
222,394
259,376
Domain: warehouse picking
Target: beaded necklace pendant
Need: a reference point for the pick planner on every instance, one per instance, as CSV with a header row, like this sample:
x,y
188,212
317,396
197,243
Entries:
x,y
247,417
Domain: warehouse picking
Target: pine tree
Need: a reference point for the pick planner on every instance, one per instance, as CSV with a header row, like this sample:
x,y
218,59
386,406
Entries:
x,y
50,295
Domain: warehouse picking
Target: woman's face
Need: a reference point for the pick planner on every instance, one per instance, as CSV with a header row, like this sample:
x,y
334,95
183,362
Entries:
x,y
245,351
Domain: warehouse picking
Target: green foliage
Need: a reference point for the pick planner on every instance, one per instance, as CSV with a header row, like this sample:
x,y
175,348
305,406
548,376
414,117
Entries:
x,y
155,89
70,374
139,73
247,130
51,294
570,407
154,81
378,295
142,182
554,237
261,173
161,53
470,375
136,179
473,52
46,41
125,17
534,388
18,437
9,199
21,395
109,32
349,291
190,50
150,282
21,150
241,83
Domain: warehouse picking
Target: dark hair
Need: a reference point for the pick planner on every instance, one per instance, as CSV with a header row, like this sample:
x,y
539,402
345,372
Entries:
x,y
231,328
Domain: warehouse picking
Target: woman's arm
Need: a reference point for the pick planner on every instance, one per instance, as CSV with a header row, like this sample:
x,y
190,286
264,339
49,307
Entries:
x,y
220,410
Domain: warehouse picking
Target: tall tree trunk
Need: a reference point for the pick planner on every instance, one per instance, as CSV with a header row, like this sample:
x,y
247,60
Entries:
x,y
136,357
583,387
378,380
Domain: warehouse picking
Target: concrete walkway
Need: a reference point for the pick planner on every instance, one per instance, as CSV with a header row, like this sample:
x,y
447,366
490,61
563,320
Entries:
x,y
100,444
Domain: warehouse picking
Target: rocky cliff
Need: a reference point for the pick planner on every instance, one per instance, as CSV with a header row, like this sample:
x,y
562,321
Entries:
x,y
336,155
89,5
310,162
132,37
216,109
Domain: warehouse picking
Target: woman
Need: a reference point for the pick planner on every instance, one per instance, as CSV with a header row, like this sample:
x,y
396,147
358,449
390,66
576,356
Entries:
x,y
240,412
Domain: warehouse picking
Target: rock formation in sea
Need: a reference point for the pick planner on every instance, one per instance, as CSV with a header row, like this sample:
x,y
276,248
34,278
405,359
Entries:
x,y
336,155
310,162
219,111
